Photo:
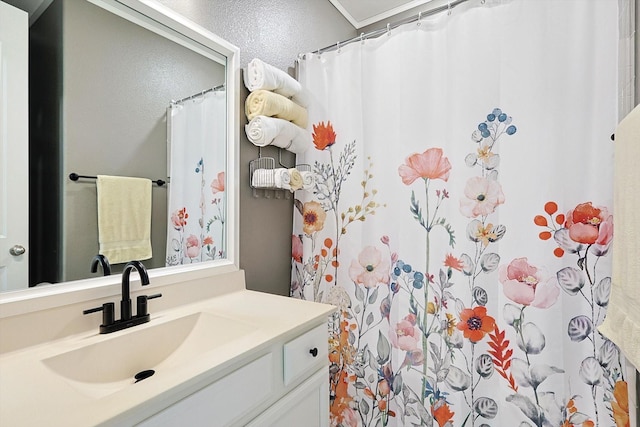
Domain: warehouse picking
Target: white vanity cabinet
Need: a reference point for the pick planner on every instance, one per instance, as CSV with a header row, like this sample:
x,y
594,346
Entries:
x,y
285,384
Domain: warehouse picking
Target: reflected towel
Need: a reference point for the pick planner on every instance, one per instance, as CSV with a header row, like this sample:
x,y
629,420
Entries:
x,y
260,75
263,130
622,324
124,218
265,103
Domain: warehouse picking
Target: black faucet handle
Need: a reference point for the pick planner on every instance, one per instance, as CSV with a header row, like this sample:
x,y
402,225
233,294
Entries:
x,y
141,302
108,312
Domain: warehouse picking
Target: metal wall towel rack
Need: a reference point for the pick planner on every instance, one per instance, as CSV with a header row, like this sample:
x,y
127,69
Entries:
x,y
74,177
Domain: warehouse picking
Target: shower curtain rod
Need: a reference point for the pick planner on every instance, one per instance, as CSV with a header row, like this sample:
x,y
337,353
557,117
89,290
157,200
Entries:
x,y
375,33
213,89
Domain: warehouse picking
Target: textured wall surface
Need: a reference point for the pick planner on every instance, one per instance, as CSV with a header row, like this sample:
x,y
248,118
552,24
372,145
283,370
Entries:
x,y
276,32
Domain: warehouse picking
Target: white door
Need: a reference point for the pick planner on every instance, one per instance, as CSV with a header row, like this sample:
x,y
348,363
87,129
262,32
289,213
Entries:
x,y
14,148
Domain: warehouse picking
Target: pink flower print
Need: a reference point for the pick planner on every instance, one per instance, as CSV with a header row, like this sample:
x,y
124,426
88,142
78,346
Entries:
x,y
405,335
296,248
590,225
370,269
526,284
605,237
428,165
217,185
193,246
179,218
482,195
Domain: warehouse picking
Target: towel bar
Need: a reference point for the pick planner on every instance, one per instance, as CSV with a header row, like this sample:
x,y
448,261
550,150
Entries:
x,y
74,177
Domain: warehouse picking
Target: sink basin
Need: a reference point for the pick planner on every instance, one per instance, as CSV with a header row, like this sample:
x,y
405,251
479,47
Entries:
x,y
107,366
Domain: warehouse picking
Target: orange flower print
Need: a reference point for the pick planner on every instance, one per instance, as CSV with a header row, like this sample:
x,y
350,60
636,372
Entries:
x,y
323,135
207,241
442,413
428,165
475,324
620,405
588,224
217,185
313,217
453,262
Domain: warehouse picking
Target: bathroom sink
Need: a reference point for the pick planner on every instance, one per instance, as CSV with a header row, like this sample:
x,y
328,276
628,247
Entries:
x,y
105,367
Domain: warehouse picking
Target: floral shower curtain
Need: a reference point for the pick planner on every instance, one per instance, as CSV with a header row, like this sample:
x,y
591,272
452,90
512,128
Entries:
x,y
461,219
196,154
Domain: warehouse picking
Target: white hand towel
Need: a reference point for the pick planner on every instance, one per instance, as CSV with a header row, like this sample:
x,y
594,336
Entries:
x,y
282,179
260,75
263,130
308,180
265,103
124,218
263,178
622,324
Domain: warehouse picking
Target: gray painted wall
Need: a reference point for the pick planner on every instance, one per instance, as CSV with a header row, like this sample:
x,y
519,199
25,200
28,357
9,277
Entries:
x,y
276,32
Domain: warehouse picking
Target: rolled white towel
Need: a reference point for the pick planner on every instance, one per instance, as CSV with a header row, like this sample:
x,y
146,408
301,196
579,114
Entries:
x,y
308,180
260,75
263,178
281,179
263,130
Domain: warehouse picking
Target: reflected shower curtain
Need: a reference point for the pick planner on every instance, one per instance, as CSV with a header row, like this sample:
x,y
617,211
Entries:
x,y
196,132
461,219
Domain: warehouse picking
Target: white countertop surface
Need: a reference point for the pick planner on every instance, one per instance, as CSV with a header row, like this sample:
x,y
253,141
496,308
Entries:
x,y
31,394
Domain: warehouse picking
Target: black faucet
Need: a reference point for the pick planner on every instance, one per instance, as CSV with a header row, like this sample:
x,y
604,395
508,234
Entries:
x,y
127,320
104,262
125,303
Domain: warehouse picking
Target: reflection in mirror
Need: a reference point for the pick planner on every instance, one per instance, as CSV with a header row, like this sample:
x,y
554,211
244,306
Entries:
x,y
101,88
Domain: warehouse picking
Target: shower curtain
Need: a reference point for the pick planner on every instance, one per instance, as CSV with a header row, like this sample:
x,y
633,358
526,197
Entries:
x,y
196,155
461,219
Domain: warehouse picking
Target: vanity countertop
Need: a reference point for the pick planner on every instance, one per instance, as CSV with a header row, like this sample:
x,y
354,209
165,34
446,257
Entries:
x,y
31,393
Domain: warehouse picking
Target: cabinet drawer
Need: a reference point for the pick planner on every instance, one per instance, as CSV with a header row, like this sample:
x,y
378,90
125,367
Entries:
x,y
222,402
304,353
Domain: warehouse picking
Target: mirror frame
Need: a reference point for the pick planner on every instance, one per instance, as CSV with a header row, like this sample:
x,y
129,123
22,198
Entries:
x,y
151,15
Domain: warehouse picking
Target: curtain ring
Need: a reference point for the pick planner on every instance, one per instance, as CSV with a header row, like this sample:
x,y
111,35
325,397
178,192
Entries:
x,y
362,38
388,29
338,47
419,18
449,7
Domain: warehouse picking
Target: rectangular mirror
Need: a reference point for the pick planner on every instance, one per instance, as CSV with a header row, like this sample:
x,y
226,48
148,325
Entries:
x,y
103,75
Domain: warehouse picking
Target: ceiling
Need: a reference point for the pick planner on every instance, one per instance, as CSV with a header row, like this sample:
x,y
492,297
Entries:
x,y
361,13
